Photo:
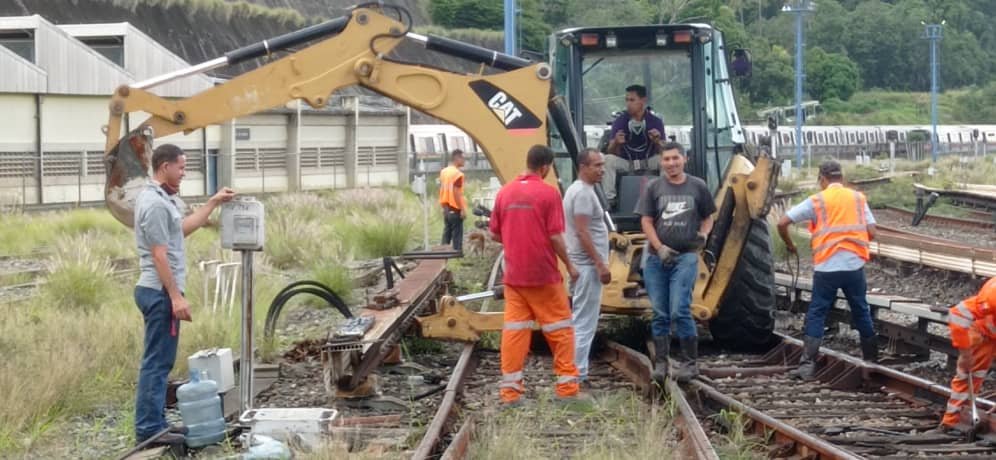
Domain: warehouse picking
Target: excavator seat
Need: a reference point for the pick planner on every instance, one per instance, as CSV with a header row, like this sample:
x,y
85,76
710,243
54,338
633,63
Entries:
x,y
629,189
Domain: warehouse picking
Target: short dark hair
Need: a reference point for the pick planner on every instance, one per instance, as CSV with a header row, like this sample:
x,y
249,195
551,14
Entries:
x,y
831,170
539,156
166,153
456,153
673,146
640,90
584,157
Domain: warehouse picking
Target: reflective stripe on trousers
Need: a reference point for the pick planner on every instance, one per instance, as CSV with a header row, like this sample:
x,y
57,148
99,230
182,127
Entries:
x,y
548,306
978,366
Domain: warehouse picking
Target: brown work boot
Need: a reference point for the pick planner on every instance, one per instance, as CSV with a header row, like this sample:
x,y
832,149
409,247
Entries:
x,y
945,430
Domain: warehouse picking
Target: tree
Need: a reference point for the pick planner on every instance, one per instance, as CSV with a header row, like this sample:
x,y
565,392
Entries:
x,y
772,82
831,75
467,14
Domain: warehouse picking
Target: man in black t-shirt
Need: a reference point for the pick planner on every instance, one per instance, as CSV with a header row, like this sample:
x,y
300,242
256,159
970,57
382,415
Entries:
x,y
676,216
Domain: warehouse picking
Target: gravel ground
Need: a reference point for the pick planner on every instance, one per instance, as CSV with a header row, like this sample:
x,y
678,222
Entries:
x,y
970,236
930,286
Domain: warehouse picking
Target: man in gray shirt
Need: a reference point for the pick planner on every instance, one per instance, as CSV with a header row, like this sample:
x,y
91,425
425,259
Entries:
x,y
588,249
159,231
676,215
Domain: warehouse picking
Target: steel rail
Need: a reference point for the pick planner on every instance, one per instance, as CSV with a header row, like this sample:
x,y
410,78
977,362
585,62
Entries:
x,y
465,366
637,368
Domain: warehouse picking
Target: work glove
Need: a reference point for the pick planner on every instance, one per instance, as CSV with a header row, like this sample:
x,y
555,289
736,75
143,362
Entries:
x,y
666,254
700,240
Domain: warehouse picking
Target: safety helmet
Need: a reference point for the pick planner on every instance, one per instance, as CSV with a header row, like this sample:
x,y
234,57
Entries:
x,y
988,293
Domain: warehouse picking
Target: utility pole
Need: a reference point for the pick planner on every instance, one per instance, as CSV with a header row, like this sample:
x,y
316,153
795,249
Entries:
x,y
799,8
934,32
510,28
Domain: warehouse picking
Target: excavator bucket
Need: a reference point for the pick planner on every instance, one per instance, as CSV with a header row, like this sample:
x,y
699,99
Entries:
x,y
127,166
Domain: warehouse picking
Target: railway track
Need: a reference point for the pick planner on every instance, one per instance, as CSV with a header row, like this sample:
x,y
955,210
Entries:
x,y
854,410
947,221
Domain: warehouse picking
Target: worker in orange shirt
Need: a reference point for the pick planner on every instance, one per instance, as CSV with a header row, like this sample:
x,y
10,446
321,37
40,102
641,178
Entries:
x,y
452,201
528,219
842,228
973,332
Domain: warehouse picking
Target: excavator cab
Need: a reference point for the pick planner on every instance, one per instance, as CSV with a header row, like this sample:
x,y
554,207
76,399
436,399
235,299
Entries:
x,y
684,70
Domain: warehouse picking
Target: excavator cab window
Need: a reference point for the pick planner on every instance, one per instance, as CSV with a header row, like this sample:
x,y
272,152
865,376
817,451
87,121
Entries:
x,y
683,68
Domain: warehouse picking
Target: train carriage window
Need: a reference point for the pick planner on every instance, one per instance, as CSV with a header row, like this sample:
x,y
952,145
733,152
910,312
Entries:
x,y
820,138
809,137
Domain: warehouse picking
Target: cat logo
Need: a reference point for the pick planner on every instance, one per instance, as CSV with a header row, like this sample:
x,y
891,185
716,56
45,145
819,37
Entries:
x,y
505,109
510,112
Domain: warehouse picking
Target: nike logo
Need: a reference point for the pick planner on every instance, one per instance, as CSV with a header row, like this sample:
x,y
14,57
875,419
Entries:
x,y
669,214
674,208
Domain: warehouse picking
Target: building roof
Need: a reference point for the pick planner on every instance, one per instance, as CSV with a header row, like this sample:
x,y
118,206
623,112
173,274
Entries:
x,y
19,75
144,57
71,66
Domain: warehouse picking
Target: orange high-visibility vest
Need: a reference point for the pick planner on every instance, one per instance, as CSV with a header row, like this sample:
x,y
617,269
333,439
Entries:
x,y
973,311
451,187
840,223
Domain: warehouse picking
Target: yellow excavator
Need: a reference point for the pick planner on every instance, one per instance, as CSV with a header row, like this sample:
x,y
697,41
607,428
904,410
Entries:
x,y
508,106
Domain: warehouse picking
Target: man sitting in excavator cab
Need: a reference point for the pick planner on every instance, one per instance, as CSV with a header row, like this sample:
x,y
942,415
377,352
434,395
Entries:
x,y
634,146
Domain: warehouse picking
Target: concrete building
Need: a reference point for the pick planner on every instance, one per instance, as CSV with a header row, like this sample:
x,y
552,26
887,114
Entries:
x,y
55,86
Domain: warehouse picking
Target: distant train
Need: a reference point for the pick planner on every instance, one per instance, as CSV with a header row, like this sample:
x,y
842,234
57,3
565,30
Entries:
x,y
912,141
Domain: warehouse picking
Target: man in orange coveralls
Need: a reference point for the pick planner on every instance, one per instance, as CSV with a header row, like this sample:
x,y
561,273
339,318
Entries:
x,y
528,219
973,332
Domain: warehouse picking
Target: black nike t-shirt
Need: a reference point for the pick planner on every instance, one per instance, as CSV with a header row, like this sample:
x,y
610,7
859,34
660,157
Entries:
x,y
677,209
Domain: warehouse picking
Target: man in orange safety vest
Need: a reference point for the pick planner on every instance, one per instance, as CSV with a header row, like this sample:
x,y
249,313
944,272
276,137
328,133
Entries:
x,y
842,227
973,332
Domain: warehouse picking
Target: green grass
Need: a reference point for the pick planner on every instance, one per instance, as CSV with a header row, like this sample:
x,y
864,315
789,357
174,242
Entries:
x,y
620,426
77,347
78,278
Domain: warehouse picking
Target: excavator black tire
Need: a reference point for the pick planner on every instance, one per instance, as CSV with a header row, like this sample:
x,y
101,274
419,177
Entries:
x,y
746,316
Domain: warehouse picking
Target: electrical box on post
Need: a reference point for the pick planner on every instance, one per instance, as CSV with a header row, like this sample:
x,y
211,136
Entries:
x,y
242,224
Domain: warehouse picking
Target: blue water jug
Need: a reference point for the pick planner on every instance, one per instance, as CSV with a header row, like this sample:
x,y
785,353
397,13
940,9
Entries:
x,y
200,408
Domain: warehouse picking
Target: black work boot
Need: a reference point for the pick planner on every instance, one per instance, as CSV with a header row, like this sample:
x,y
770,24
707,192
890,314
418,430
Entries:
x,y
689,368
869,348
662,346
807,363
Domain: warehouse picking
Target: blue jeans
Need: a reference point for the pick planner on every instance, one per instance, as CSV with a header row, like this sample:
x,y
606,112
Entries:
x,y
670,289
162,333
825,285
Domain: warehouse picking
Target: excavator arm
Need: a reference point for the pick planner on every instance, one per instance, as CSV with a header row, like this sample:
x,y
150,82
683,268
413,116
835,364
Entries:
x,y
505,113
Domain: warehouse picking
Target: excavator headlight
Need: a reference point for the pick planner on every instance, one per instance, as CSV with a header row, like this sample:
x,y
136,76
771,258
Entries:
x,y
610,41
661,39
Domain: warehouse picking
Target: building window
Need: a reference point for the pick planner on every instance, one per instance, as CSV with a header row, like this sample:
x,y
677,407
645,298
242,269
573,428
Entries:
x,y
21,43
110,47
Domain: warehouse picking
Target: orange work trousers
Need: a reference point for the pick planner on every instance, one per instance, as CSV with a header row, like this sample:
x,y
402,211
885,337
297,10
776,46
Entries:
x,y
525,306
975,363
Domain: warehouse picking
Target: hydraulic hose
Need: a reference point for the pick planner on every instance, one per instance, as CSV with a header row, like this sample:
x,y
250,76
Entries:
x,y
301,287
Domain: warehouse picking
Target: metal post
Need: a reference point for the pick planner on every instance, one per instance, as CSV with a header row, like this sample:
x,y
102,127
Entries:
x,y
510,28
892,157
934,32
799,8
245,361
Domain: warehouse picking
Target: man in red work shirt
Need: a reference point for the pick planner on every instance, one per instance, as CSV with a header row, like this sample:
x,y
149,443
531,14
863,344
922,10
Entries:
x,y
528,219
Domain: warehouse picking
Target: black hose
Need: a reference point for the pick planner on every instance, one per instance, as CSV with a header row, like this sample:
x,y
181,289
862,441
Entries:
x,y
301,287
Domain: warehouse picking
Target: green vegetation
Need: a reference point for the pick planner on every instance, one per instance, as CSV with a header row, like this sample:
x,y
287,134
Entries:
x,y
854,74
76,347
223,11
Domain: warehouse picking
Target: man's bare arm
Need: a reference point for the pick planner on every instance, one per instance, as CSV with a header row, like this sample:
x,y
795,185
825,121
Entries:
x,y
587,243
